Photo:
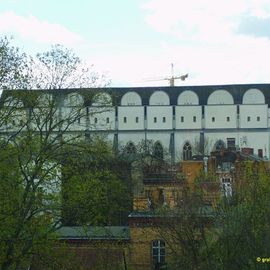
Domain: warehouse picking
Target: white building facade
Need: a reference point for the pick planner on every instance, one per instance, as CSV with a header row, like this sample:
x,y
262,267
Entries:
x,y
186,121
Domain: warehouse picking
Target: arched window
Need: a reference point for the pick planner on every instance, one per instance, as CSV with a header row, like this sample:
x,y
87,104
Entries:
x,y
130,148
158,252
219,145
158,150
187,151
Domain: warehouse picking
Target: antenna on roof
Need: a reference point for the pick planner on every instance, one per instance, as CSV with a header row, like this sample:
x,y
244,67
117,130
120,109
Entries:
x,y
172,78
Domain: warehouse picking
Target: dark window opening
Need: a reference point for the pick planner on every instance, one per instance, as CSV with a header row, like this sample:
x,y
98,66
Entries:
x,y
248,118
158,253
164,119
213,119
187,151
194,119
182,119
219,145
130,148
155,119
158,150
137,119
231,143
125,119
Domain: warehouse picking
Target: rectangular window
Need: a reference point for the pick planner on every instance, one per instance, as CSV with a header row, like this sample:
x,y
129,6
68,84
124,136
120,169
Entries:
x,y
182,119
228,118
213,119
194,119
231,143
107,120
95,120
125,119
158,253
79,120
164,119
137,119
248,118
258,118
155,119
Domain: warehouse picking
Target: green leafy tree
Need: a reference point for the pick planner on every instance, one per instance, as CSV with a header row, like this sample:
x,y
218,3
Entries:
x,y
244,221
97,186
31,161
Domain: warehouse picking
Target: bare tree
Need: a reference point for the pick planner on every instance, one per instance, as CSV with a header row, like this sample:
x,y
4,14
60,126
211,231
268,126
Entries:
x,y
61,68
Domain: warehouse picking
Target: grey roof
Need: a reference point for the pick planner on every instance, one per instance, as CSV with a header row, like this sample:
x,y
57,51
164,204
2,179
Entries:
x,y
94,232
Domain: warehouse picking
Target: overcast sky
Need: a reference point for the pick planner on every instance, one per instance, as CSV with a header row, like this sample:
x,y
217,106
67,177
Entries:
x,y
133,41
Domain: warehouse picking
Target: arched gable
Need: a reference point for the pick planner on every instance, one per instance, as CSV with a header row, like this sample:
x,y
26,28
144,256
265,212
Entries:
x,y
159,98
253,96
73,100
132,99
188,98
102,99
220,97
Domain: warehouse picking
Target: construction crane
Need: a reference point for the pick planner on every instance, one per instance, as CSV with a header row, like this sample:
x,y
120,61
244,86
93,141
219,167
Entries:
x,y
172,78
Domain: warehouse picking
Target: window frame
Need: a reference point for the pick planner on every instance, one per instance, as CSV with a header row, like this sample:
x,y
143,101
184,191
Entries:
x,y
158,251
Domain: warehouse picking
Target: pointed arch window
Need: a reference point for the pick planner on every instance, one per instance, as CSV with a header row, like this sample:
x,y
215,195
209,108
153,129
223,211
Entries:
x,y
130,148
219,145
187,151
158,150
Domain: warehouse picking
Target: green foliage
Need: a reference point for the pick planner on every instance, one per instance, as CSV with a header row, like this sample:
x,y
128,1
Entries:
x,y
233,235
98,192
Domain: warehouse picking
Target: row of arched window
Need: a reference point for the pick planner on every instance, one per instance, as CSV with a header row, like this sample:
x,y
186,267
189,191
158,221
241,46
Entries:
x,y
158,150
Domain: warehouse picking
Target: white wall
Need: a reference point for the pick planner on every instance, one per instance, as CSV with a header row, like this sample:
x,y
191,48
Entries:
x,y
220,114
98,118
213,137
159,112
256,140
162,136
135,137
253,111
193,137
188,112
130,112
